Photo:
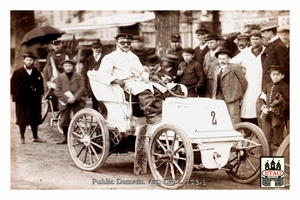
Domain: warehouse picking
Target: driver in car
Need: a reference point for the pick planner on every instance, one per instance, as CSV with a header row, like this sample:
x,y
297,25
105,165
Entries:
x,y
124,68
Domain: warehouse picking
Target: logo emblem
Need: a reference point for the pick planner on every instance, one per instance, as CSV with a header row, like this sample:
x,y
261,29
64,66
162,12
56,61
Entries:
x,y
272,171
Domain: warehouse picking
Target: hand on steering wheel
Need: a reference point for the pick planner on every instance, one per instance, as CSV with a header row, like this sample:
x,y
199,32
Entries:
x,y
159,77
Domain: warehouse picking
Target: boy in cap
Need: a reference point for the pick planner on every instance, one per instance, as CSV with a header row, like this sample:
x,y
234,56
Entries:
x,y
70,92
190,73
27,88
275,105
229,85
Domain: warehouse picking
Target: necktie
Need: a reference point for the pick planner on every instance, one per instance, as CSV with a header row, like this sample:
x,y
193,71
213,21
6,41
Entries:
x,y
220,72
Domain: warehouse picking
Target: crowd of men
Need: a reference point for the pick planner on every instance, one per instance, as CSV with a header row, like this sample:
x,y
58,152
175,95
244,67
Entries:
x,y
248,70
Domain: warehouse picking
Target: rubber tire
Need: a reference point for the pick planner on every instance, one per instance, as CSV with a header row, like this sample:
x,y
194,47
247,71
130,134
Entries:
x,y
265,151
98,118
189,164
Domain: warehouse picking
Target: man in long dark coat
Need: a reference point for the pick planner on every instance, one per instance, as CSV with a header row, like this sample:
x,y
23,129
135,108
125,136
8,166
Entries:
x,y
27,89
275,53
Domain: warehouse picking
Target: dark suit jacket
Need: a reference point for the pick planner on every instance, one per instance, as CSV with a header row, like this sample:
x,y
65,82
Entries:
x,y
233,83
27,91
75,86
90,64
276,53
199,54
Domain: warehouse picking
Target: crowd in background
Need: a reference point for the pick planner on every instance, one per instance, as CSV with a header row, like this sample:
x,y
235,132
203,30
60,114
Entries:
x,y
249,70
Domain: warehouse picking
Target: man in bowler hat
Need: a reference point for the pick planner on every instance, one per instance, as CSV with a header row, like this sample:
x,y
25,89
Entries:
x,y
27,89
229,85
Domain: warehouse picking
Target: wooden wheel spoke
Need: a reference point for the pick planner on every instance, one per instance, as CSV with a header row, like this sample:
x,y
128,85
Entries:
x,y
178,148
94,151
80,127
172,170
166,138
83,147
166,170
174,140
250,163
94,130
97,145
80,136
177,166
161,145
90,155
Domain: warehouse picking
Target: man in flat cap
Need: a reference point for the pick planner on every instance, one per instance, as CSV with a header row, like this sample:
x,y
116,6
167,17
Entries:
x,y
70,92
210,60
124,68
27,88
93,63
176,48
229,85
53,68
202,48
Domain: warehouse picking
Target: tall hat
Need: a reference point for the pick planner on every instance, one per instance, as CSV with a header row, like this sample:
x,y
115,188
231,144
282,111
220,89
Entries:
x,y
223,50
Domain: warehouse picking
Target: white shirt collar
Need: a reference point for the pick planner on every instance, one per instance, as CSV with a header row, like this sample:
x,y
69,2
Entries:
x,y
273,39
28,70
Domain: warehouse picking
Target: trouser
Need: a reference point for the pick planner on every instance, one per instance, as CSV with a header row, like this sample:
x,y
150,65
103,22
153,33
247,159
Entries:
x,y
34,129
65,116
273,128
258,112
192,92
233,108
150,106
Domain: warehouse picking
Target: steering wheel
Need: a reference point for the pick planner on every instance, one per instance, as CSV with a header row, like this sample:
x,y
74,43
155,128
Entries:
x,y
164,78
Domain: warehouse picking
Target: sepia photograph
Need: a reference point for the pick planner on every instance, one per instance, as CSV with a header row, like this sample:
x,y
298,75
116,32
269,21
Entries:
x,y
158,99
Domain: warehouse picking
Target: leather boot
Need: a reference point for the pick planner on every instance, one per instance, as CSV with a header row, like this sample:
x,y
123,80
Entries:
x,y
151,106
65,139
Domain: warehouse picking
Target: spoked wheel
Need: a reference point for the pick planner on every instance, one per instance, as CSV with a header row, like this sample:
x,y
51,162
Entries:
x,y
284,150
244,160
88,139
44,109
170,156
